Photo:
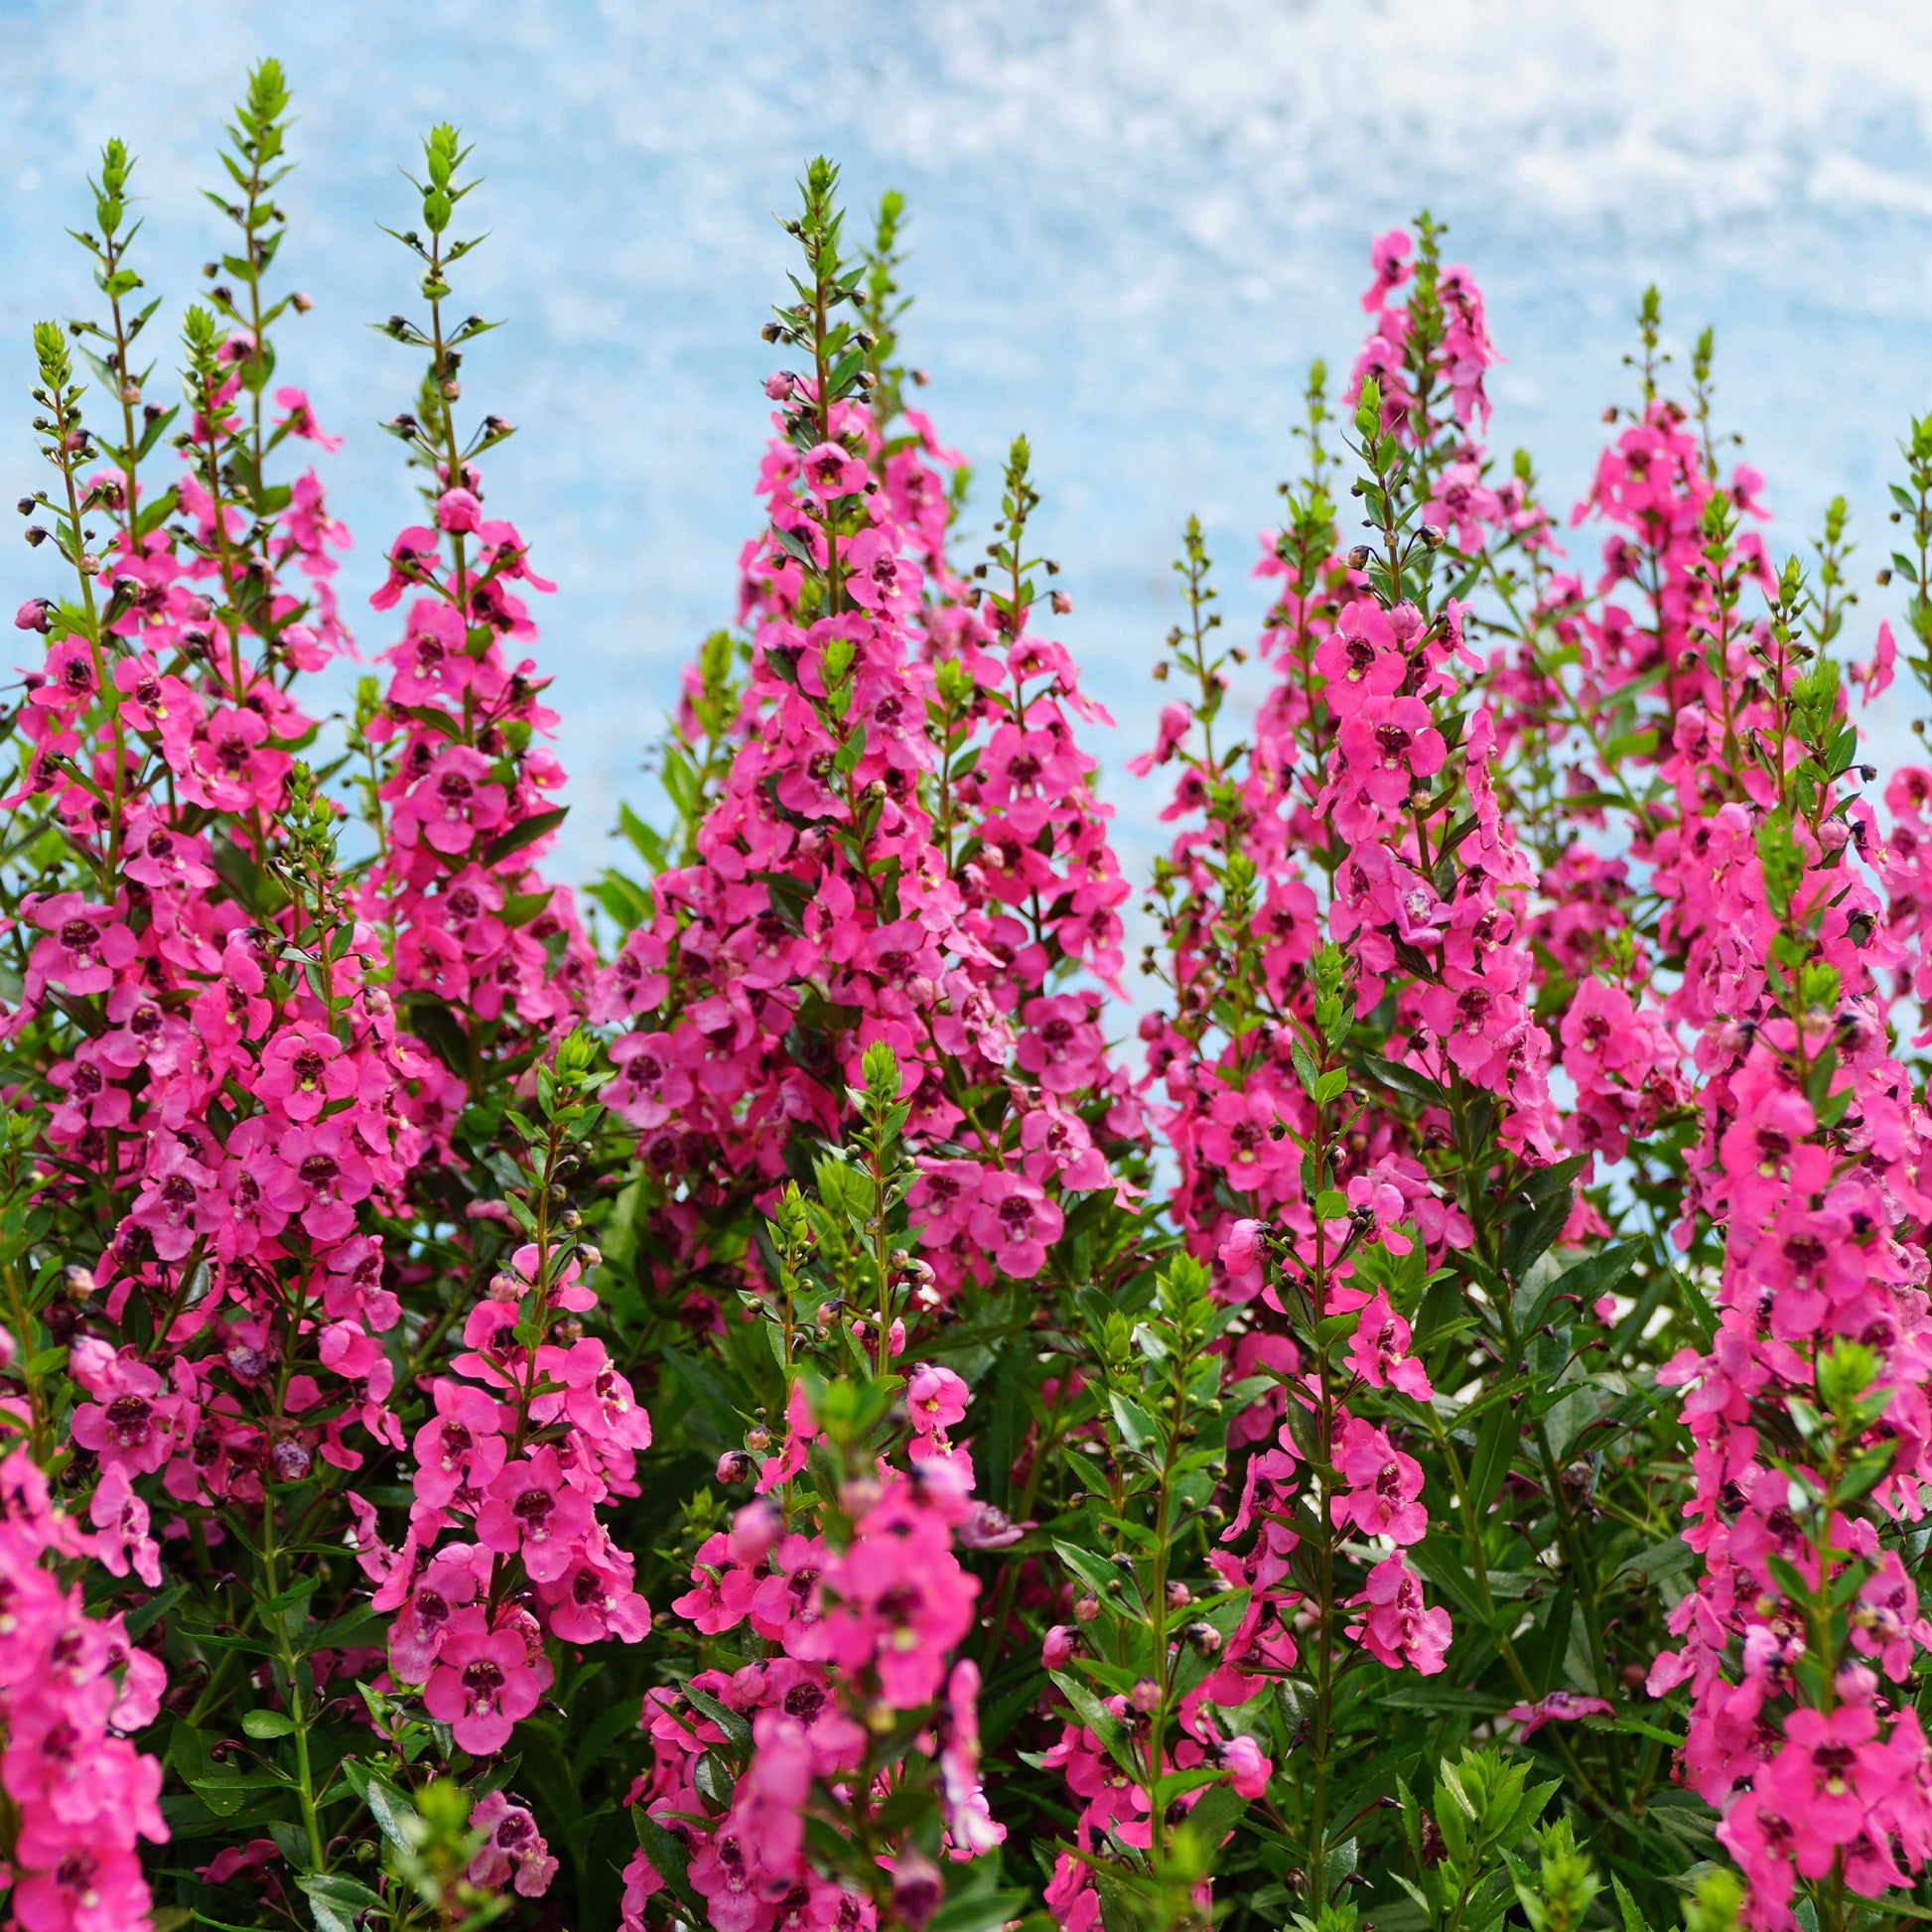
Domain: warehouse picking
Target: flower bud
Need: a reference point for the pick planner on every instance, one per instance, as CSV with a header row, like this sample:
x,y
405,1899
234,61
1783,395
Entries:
x,y
1856,1684
859,1496
918,1887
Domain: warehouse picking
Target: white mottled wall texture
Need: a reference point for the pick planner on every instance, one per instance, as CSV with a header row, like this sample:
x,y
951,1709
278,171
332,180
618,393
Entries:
x,y
1135,223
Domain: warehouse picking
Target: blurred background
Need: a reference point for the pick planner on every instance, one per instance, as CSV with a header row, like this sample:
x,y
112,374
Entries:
x,y
1133,222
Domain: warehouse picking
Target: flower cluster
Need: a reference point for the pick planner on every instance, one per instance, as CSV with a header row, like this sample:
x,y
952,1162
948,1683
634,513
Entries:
x,y
1057,1479
1808,1407
230,1095
530,1433
857,1619
904,849
71,1687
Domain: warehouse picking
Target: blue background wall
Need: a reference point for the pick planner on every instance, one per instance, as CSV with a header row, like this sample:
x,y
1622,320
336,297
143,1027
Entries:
x,y
1135,223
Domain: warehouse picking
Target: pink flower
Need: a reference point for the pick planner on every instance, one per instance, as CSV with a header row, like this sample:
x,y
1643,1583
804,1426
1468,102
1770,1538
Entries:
x,y
936,1397
1378,1353
132,1427
1830,1774
84,948
457,510
1385,1486
1388,741
1061,1043
305,1068
1559,1705
896,1599
1248,1769
1885,1621
1176,720
82,1889
969,1821
1245,1251
453,802
462,1448
1361,658
1397,1627
1876,673
592,1600
1391,267
532,1511
484,1683
511,1844
1016,1222
832,470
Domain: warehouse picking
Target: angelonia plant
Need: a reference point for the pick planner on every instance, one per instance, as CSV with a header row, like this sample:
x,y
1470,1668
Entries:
x,y
791,1389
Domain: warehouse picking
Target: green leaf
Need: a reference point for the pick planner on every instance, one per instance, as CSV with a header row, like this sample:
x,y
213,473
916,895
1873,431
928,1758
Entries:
x,y
1396,1079
1098,1719
669,1860
722,1715
1098,1576
1216,1814
226,1796
1588,1281
436,1024
1638,1729
977,1912
520,908
1661,1559
1136,1426
1548,1192
1788,1577
1444,1567
337,1899
1633,1919
536,826
356,1626
268,1723
1490,1464
394,1815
